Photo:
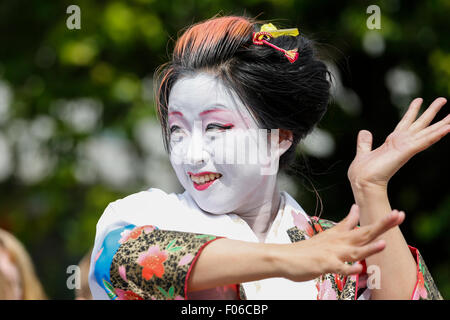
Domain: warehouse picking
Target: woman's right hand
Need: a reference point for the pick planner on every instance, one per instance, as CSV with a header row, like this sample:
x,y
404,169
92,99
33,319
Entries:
x,y
328,251
226,261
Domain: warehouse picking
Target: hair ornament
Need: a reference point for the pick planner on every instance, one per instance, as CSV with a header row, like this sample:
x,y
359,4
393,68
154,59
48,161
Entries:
x,y
269,31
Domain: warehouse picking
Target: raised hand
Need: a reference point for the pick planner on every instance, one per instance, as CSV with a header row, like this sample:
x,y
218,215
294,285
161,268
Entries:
x,y
376,167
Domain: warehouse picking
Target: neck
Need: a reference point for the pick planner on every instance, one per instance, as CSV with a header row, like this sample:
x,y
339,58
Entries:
x,y
260,218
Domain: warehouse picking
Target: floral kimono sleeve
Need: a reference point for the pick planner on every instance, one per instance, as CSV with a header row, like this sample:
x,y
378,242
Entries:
x,y
425,288
336,287
144,262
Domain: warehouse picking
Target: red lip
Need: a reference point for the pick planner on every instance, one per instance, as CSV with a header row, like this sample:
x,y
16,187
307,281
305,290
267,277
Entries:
x,y
201,187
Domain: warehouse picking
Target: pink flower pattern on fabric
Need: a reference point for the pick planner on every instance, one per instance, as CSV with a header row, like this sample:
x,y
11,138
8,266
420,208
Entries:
x,y
420,290
127,295
302,223
325,290
98,254
123,273
152,260
186,259
135,233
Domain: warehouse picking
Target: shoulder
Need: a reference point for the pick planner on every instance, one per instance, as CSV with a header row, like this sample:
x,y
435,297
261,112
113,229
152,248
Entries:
x,y
144,199
305,228
303,221
152,206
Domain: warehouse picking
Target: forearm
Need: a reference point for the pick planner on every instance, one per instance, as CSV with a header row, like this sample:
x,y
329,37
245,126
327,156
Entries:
x,y
227,261
396,263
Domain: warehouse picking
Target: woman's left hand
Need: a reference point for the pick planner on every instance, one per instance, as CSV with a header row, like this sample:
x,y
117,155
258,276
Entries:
x,y
374,168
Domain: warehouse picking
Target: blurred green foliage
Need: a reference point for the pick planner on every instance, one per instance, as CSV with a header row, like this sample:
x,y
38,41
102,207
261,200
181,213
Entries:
x,y
51,196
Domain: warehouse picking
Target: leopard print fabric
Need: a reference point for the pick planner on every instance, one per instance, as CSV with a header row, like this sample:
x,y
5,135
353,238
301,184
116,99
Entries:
x,y
296,234
242,294
154,265
349,290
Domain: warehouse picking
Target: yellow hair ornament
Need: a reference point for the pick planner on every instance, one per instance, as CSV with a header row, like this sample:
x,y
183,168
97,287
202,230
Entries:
x,y
268,27
269,31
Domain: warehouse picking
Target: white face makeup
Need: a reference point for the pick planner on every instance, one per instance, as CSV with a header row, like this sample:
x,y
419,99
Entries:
x,y
203,115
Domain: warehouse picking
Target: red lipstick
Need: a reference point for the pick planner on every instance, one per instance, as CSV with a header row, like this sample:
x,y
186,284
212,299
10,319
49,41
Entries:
x,y
204,186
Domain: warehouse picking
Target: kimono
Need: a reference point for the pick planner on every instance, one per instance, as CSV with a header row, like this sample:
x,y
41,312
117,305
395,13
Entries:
x,y
147,243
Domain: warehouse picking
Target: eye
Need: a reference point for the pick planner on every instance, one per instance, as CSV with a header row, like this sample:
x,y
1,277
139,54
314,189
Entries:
x,y
176,134
220,127
174,129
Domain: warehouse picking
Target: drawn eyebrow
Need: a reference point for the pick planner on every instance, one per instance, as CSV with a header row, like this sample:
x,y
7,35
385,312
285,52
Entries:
x,y
175,113
211,110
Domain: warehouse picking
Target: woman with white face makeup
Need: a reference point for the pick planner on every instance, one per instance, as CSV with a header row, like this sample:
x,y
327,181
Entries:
x,y
210,129
234,102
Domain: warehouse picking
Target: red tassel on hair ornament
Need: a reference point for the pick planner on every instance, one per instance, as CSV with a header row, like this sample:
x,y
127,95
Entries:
x,y
269,31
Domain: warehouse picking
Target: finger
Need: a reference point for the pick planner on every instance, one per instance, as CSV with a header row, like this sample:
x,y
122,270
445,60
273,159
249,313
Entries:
x,y
392,220
431,138
351,220
429,114
351,269
434,127
369,249
410,115
364,142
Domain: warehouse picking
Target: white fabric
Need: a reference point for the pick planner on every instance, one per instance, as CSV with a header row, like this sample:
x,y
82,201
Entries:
x,y
179,212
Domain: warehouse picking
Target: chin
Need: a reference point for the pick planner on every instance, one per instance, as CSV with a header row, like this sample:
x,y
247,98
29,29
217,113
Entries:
x,y
214,207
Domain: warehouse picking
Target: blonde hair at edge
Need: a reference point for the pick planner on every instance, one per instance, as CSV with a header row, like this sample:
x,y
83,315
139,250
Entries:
x,y
30,285
84,293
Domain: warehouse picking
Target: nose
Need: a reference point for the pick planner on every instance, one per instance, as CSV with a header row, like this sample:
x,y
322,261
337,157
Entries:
x,y
196,154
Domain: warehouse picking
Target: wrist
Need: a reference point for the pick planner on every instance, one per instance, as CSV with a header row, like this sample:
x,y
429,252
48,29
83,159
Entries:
x,y
370,200
296,261
274,256
373,202
365,191
365,186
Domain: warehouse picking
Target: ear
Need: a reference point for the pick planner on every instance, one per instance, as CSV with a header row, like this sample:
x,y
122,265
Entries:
x,y
285,141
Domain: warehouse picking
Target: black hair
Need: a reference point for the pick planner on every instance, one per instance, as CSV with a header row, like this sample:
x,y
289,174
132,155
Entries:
x,y
279,94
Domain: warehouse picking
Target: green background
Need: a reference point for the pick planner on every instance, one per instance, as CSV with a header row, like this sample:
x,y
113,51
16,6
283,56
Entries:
x,y
78,127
